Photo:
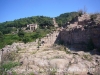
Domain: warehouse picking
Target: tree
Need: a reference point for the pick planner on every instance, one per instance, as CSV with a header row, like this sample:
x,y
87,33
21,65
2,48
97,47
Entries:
x,y
26,39
36,35
66,17
21,33
1,36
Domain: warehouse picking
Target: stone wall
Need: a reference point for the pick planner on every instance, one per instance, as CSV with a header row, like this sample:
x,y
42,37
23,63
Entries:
x,y
80,36
96,36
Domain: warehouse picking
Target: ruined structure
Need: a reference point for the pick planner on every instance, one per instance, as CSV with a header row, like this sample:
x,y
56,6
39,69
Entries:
x,y
84,19
54,22
81,32
32,26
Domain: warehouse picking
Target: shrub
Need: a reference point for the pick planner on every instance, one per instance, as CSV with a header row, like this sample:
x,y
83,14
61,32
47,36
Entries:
x,y
15,37
21,33
26,39
1,36
87,57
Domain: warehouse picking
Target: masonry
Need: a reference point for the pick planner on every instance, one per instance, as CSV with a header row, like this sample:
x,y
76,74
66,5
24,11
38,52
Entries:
x,y
32,26
81,34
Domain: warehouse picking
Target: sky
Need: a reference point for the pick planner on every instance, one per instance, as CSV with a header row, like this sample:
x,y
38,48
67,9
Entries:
x,y
15,9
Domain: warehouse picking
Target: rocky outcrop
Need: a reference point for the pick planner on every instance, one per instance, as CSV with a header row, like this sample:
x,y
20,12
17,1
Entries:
x,y
52,60
81,34
96,36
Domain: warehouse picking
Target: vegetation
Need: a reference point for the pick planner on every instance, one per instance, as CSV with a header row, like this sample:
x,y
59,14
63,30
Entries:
x,y
67,17
11,56
63,48
9,26
45,25
8,39
53,71
95,18
7,66
87,57
1,36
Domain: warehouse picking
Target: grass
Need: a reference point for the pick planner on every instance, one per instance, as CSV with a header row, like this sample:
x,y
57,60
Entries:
x,y
10,56
87,57
34,52
63,48
31,73
7,66
8,40
32,36
53,72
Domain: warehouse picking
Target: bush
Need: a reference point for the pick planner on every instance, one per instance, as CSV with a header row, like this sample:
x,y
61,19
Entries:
x,y
1,36
10,42
26,39
21,33
9,65
36,35
10,56
15,37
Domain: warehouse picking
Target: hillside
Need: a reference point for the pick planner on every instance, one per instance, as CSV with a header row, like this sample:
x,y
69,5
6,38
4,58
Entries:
x,y
70,49
67,17
38,58
22,22
9,29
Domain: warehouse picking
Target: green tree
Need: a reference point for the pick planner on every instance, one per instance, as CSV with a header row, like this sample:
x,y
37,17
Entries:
x,y
21,33
66,17
1,36
26,39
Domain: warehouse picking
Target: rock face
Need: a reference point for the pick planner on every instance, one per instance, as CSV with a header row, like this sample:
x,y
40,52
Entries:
x,y
74,36
96,36
51,60
81,34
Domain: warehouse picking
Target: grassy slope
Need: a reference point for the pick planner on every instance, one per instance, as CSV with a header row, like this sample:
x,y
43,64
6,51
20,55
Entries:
x,y
10,38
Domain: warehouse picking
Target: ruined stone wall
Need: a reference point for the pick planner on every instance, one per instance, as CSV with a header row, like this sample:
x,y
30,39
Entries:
x,y
74,36
80,36
96,36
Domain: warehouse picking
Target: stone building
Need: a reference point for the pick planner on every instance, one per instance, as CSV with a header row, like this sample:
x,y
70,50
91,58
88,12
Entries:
x,y
32,26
